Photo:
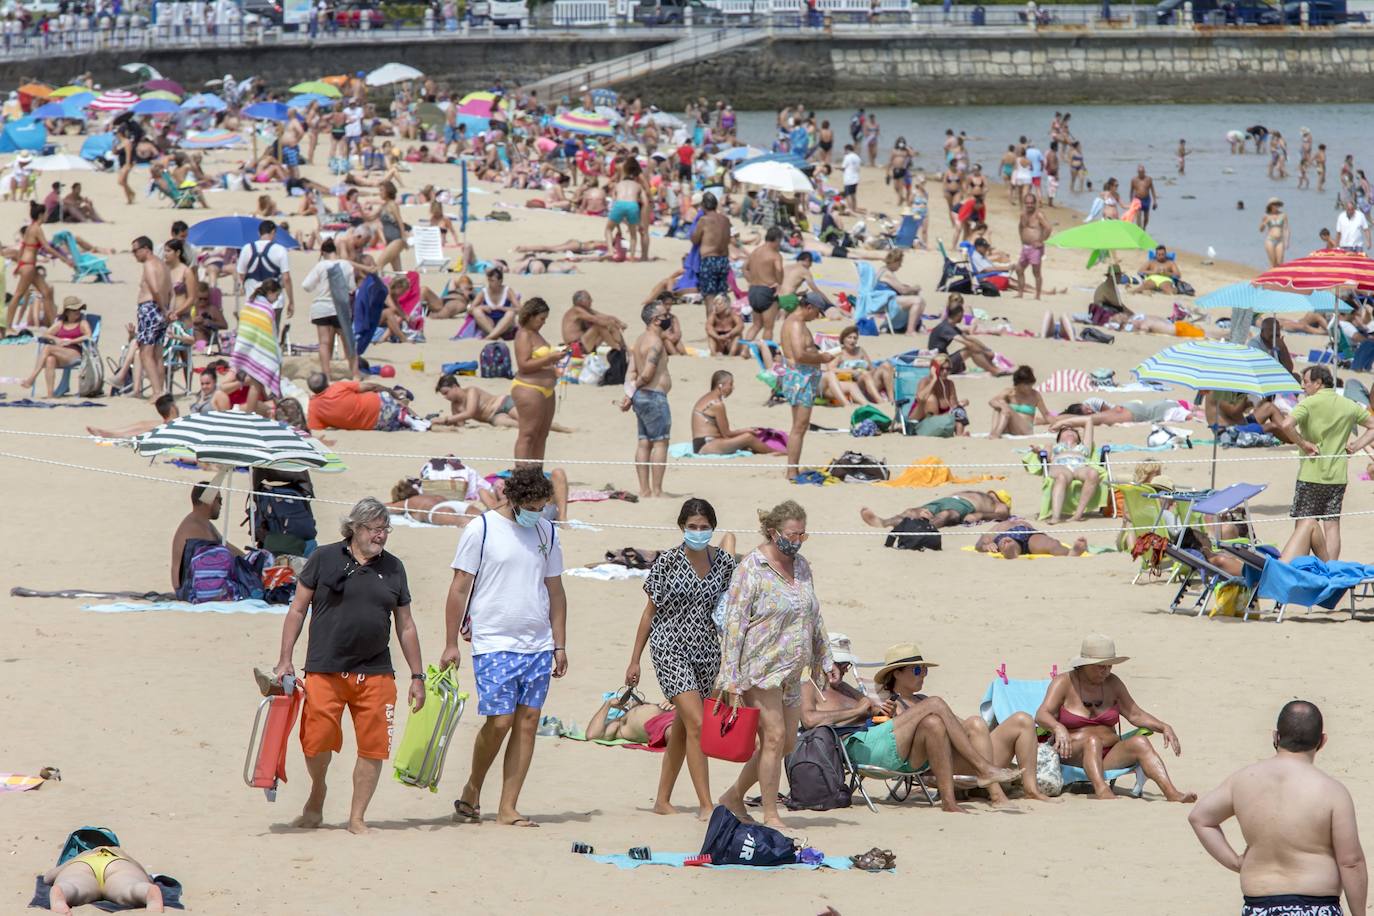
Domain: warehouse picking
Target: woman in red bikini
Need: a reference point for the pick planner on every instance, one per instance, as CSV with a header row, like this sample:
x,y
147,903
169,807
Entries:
x,y
26,269
1081,711
61,343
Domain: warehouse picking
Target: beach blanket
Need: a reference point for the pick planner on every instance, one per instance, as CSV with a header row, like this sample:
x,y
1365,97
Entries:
x,y
1308,581
30,402
1092,552
677,860
246,606
21,592
256,353
606,572
17,782
368,303
1168,446
931,472
1061,380
684,450
171,896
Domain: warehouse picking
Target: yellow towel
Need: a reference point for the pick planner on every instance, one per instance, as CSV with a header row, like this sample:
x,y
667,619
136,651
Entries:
x,y
1025,556
931,472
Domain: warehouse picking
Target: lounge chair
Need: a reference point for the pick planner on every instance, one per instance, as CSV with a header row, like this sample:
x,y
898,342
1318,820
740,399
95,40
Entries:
x,y
182,199
871,302
1005,698
906,381
427,243
899,782
64,382
905,237
1036,462
86,265
1212,578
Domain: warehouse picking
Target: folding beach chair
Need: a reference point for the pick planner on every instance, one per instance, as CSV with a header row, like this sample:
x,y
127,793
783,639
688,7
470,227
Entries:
x,y
905,237
1256,559
64,380
906,381
899,782
86,265
427,243
1005,698
1211,576
1037,462
871,302
181,199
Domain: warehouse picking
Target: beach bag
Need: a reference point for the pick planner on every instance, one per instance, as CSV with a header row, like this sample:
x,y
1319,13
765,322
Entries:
x,y
1049,771
284,523
495,361
83,840
617,366
245,578
914,534
730,841
90,379
860,467
870,412
594,368
209,576
815,772
727,731
775,439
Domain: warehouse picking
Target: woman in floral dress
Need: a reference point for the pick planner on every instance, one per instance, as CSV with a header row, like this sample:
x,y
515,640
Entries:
x,y
773,632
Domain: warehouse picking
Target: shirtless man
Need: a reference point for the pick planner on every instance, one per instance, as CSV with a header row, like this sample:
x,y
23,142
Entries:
x,y
801,382
763,271
1302,844
291,136
712,239
205,508
571,246
154,298
650,383
584,324
1034,229
1160,272
797,275
964,506
1143,189
592,199
474,404
1016,537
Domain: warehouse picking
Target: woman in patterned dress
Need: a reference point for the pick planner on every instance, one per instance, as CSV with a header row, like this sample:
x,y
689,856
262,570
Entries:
x,y
773,632
684,585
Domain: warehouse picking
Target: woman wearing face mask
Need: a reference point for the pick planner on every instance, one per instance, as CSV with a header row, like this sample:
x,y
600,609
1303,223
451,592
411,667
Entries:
x,y
684,585
773,631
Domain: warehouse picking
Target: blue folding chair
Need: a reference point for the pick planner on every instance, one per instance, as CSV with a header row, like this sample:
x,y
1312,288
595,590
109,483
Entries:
x,y
1006,698
906,233
906,380
64,383
86,264
871,302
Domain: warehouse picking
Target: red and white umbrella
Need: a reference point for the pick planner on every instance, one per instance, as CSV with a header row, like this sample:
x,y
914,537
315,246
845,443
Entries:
x,y
1325,269
115,100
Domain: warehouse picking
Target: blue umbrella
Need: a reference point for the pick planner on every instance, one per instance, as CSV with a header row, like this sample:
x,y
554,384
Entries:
x,y
155,107
97,145
475,125
1259,299
80,99
736,153
267,111
59,109
305,98
232,232
202,101
789,158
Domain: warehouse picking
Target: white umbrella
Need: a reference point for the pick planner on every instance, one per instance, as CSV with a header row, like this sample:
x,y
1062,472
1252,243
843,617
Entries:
x,y
777,176
663,119
387,74
62,162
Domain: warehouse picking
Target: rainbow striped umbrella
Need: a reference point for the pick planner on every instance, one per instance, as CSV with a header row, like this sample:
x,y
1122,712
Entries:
x,y
1326,269
581,121
1216,365
115,100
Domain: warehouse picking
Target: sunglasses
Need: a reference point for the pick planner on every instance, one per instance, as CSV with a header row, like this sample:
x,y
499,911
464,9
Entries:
x,y
918,670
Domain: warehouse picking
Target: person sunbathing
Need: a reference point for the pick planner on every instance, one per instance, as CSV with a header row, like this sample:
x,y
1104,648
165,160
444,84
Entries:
x,y
482,406
583,323
571,246
626,716
711,432
1099,412
104,873
1016,537
1233,408
166,407
724,328
1017,406
1081,710
936,396
856,376
960,507
1160,272
409,500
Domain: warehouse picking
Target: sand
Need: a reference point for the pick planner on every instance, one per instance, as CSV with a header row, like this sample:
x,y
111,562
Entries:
x,y
148,714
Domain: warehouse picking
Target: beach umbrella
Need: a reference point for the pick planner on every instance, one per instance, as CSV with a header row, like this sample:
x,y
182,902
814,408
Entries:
x,y
115,100
1326,269
605,97
791,159
1270,301
164,85
475,125
740,153
64,91
97,145
232,232
235,440
35,90
318,87
267,111
155,107
162,95
387,74
610,114
62,162
477,108
581,121
60,108
1216,365
305,99
777,176
217,138
338,79
1103,235
663,119
204,101
141,70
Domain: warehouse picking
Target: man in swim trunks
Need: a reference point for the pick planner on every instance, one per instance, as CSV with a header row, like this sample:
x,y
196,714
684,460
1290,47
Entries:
x,y
585,325
971,506
1302,845
650,383
1016,536
797,275
206,504
474,404
1143,189
1160,272
1034,229
103,873
801,382
712,240
763,271
154,299
291,143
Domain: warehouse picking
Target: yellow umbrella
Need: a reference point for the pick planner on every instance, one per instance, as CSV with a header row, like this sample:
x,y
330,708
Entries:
x,y
317,87
68,90
161,94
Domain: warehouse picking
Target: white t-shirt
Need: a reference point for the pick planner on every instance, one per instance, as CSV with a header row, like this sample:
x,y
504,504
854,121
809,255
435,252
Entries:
x,y
509,606
273,254
851,165
354,125
317,282
1350,229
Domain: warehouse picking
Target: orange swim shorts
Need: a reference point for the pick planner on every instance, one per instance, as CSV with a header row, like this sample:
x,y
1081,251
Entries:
x,y
370,699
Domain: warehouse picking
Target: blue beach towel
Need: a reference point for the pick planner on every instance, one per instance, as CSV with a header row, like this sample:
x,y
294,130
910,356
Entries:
x,y
1309,581
171,896
684,450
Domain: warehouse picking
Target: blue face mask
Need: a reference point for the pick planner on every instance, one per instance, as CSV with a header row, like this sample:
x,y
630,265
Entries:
x,y
785,547
698,540
527,518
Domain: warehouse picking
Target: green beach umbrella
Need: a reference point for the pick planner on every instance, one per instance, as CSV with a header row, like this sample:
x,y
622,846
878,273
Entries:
x,y
319,88
1102,236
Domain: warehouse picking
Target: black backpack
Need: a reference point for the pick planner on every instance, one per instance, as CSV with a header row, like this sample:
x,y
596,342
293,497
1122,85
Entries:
x,y
284,524
259,267
617,365
856,466
914,534
816,773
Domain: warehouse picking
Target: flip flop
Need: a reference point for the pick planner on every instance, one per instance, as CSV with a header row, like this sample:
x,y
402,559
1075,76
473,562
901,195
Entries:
x,y
466,811
522,822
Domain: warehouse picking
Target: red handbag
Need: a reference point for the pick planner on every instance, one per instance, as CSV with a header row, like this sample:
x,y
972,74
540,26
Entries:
x,y
728,732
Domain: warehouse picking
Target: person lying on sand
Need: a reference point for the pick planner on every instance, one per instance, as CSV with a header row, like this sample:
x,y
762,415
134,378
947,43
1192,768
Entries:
x,y
626,716
482,406
971,506
1102,413
408,499
105,873
166,407
1016,537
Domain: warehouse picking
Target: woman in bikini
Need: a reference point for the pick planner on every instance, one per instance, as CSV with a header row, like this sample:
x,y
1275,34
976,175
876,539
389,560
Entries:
x,y
103,873
937,396
1069,461
438,218
1081,711
711,432
1016,406
185,283
494,309
856,376
26,270
535,378
407,499
1274,225
61,343
1078,172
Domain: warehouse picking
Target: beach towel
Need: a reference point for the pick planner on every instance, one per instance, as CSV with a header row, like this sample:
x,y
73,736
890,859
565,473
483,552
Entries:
x,y
931,472
1092,552
684,450
21,592
1309,581
606,572
343,309
30,402
171,896
691,262
256,352
368,302
17,782
246,606
1061,380
678,860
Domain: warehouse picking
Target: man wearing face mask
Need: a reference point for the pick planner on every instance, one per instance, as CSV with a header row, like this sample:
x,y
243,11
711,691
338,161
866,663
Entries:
x,y
646,390
507,598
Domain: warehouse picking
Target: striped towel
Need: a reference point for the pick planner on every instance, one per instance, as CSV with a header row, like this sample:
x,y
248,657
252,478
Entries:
x,y
14,782
256,352
1067,380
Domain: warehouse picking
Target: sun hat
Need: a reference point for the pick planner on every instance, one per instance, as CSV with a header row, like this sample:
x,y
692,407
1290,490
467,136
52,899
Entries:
x,y
1004,496
900,655
73,304
1097,650
841,650
1163,482
24,157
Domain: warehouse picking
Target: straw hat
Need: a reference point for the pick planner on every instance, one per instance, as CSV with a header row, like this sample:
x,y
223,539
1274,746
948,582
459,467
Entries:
x,y
1163,483
900,655
1097,650
73,304
841,650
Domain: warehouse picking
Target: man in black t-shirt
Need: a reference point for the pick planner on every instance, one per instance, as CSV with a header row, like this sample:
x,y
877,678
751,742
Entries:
x,y
352,588
949,331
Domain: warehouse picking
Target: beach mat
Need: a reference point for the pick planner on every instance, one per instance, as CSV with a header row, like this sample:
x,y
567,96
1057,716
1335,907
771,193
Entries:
x,y
606,572
930,472
676,860
20,591
246,606
1092,552
29,402
171,896
684,450
18,782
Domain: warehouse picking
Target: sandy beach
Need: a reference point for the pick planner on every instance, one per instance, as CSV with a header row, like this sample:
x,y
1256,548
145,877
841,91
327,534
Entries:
x,y
147,714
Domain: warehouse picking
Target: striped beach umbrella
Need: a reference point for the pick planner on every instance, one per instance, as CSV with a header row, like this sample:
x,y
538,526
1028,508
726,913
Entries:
x,y
1326,269
1216,365
163,95
115,100
236,440
1268,301
580,121
202,101
155,107
210,139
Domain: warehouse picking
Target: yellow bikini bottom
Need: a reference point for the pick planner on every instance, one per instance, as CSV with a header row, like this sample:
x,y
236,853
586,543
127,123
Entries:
x,y
98,860
517,383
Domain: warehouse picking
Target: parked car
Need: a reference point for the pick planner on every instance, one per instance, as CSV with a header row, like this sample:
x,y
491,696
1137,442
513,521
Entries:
x,y
349,15
268,12
1321,12
673,12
